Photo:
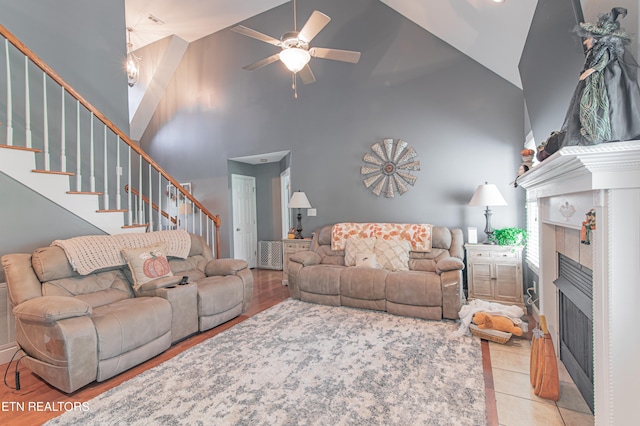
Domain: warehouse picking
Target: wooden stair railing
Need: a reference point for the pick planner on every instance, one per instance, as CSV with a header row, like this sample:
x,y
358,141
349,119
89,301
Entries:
x,y
150,184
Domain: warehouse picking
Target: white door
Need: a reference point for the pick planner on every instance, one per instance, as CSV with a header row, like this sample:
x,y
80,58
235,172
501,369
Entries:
x,y
245,230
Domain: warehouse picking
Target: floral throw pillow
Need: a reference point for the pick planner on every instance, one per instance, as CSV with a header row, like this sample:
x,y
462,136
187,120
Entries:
x,y
147,263
354,246
393,254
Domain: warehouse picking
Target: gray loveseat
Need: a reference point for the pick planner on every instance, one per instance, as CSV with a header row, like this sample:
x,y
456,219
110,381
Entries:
x,y
432,288
75,329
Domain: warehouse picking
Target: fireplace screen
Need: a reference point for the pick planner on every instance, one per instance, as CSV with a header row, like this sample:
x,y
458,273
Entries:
x,y
575,283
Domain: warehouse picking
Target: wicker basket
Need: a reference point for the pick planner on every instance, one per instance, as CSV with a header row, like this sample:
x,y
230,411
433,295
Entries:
x,y
491,335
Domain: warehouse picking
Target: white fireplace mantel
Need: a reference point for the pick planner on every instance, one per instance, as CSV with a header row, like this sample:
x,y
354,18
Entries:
x,y
607,176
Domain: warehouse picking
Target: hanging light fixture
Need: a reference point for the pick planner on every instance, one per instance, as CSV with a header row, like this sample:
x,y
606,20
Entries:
x,y
295,58
133,61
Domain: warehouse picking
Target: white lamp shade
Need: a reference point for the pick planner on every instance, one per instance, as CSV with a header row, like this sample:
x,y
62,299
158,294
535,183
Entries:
x,y
299,200
487,195
295,58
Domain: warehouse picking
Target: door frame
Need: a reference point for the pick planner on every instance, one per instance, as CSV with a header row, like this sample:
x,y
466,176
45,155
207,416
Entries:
x,y
285,194
250,258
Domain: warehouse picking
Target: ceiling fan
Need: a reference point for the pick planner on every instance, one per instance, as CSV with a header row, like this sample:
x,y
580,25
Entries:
x,y
295,52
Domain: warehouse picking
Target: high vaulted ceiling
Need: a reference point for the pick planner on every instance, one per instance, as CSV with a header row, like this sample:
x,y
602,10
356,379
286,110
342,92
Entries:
x,y
491,33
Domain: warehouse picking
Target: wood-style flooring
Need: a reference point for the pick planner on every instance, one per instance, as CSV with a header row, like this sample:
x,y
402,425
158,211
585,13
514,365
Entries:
x,y
268,291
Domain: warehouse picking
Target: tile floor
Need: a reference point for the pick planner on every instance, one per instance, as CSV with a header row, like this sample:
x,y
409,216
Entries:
x,y
516,402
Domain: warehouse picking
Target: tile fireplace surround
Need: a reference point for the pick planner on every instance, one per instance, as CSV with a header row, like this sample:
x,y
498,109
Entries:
x,y
568,184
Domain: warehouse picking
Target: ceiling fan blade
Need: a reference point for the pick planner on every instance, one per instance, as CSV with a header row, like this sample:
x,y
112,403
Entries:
x,y
335,54
241,29
261,63
306,75
316,22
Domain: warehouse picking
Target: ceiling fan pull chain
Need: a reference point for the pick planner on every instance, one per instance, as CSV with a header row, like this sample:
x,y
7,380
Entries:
x,y
294,86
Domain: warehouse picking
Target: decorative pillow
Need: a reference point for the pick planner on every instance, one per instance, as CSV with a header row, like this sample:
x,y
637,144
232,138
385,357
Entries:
x,y
393,254
354,246
147,263
367,260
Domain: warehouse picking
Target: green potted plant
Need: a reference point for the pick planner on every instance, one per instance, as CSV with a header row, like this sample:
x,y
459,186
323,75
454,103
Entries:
x,y
510,236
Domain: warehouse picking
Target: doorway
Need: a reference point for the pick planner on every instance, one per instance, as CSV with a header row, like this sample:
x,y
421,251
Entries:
x,y
245,228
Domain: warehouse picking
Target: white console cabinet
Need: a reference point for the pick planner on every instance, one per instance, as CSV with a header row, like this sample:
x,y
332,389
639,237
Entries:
x,y
494,273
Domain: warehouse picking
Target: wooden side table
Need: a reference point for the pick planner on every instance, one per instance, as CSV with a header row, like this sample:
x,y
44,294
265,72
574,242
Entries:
x,y
290,247
494,273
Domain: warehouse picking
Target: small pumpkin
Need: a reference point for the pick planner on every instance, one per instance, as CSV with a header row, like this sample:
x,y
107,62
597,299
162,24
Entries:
x,y
156,266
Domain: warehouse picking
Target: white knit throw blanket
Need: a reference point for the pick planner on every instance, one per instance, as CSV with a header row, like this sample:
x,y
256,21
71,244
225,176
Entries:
x,y
92,252
466,313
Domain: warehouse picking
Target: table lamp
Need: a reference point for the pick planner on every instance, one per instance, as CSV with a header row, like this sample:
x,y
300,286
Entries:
x,y
299,201
487,195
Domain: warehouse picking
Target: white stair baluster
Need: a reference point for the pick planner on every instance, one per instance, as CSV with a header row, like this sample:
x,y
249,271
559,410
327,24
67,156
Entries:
x,y
159,201
92,160
129,181
140,203
45,124
9,98
118,174
27,104
78,150
207,220
150,206
105,174
63,136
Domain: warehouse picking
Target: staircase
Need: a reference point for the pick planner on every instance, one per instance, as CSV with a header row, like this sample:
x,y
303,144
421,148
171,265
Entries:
x,y
60,146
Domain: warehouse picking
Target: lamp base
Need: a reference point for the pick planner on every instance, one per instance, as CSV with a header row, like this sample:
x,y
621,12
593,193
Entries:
x,y
488,229
298,234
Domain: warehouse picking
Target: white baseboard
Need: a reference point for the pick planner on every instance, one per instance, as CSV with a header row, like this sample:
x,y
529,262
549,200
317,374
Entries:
x,y
6,354
535,313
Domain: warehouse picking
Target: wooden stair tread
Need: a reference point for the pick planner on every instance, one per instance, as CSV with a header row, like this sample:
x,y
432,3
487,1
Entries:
x,y
112,211
20,148
84,193
144,225
53,172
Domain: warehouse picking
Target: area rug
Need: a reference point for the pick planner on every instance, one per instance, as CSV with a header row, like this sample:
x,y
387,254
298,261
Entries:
x,y
300,363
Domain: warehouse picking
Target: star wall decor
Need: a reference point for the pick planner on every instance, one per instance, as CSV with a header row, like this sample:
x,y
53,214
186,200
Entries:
x,y
388,167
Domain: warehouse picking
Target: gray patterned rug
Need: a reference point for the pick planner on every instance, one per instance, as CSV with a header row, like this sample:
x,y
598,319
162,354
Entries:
x,y
300,363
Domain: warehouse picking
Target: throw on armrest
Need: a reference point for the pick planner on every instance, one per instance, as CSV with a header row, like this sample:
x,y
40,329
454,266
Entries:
x,y
449,264
306,258
225,267
49,309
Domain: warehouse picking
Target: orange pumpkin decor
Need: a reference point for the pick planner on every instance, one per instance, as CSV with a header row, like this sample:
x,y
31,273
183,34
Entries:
x,y
155,266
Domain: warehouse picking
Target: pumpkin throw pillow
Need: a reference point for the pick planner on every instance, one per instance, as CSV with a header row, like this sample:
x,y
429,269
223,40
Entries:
x,y
354,246
393,255
147,263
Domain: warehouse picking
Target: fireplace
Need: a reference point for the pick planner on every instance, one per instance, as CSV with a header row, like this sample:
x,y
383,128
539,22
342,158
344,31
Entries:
x,y
568,184
575,315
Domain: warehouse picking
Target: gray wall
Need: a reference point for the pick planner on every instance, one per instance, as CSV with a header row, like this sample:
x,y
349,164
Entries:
x,y
550,65
465,122
84,42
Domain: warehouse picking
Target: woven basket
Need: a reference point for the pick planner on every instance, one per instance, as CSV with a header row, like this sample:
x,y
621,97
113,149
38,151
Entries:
x,y
491,335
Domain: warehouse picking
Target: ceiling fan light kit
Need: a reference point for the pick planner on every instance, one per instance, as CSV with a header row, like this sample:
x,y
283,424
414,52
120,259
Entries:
x,y
295,58
295,53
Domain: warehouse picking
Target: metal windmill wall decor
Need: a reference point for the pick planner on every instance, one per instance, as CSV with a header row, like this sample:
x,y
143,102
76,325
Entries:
x,y
388,167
